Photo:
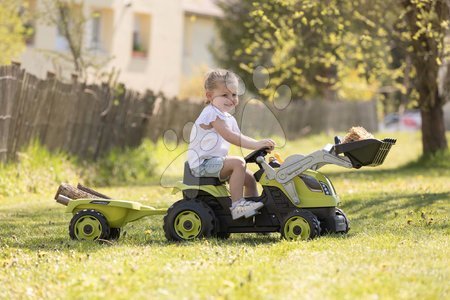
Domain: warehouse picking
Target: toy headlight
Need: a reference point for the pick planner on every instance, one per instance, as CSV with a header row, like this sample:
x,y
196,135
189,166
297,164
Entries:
x,y
325,188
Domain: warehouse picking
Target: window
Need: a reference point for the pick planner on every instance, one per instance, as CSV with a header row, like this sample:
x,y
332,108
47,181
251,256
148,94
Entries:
x,y
95,42
141,35
99,31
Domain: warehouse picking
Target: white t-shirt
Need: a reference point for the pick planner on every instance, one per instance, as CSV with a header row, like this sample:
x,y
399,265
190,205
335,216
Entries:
x,y
207,143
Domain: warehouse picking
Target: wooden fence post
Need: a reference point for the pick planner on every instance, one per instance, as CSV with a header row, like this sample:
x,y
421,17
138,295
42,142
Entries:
x,y
87,121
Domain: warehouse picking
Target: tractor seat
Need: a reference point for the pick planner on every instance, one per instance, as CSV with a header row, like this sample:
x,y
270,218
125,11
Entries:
x,y
190,179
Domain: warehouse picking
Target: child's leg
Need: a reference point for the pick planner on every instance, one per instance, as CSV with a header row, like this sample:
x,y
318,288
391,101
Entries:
x,y
234,167
250,185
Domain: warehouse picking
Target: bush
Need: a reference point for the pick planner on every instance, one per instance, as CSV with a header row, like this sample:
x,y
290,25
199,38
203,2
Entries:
x,y
125,166
37,170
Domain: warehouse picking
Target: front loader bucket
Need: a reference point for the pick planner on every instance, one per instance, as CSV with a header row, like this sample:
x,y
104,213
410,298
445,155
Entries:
x,y
369,152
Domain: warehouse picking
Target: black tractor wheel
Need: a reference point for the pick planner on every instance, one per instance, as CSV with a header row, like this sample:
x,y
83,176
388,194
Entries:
x,y
114,234
218,233
337,223
223,235
188,220
89,224
340,212
300,225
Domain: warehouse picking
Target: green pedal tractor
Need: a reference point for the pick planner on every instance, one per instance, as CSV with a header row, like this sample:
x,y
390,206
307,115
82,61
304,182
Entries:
x,y
299,202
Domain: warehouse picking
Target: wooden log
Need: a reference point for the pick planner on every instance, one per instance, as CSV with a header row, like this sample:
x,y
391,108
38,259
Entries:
x,y
92,191
74,193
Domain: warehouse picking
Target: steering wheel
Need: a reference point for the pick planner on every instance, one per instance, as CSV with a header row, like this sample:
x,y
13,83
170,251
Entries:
x,y
251,158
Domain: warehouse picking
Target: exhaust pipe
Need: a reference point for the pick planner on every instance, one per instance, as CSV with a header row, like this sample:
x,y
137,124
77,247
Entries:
x,y
61,199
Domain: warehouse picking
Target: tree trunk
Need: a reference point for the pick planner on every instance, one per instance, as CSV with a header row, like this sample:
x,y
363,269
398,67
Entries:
x,y
433,129
427,51
431,107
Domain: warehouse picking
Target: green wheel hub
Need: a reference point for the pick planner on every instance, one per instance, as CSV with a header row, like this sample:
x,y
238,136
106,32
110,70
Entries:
x,y
297,227
88,228
188,225
188,220
89,224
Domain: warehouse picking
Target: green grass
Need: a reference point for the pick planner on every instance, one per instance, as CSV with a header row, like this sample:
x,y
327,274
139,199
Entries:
x,y
36,171
397,247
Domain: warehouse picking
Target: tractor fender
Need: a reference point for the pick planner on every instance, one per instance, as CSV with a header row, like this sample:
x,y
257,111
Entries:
x,y
214,190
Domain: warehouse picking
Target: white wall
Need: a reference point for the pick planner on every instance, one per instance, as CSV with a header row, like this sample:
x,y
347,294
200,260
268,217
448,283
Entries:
x,y
199,33
160,70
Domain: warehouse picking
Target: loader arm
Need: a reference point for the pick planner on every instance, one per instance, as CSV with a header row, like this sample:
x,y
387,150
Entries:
x,y
370,152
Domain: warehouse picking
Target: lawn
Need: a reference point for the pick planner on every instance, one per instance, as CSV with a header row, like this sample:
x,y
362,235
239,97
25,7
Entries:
x,y
397,247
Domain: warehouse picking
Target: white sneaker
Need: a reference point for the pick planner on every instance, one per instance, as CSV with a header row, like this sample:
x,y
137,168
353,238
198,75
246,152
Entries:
x,y
245,208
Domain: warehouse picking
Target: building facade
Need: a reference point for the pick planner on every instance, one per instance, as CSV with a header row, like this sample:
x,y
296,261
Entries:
x,y
150,44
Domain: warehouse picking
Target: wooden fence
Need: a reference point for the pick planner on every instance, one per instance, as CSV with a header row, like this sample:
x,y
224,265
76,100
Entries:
x,y
258,119
86,120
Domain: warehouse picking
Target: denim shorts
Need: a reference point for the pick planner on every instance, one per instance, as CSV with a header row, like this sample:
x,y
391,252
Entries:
x,y
210,167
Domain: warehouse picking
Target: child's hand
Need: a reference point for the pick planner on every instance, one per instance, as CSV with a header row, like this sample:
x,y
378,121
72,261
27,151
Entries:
x,y
266,143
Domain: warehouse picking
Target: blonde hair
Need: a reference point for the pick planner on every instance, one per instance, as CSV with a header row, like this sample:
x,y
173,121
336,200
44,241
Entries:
x,y
218,76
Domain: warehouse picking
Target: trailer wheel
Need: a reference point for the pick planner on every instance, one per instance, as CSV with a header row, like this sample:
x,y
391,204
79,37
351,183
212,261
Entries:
x,y
89,224
188,220
300,225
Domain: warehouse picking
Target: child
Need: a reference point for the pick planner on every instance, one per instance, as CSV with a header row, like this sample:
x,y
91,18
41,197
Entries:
x,y
210,140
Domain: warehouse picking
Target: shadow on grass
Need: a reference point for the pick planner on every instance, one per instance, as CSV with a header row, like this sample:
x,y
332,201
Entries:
x,y
47,229
240,239
428,167
385,205
383,174
38,229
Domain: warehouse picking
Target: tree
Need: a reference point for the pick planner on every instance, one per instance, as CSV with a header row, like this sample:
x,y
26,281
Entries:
x,y
427,24
70,19
12,31
315,46
229,52
320,49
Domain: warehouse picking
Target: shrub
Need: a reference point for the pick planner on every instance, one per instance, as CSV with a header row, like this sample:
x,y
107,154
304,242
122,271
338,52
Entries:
x,y
36,170
125,166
